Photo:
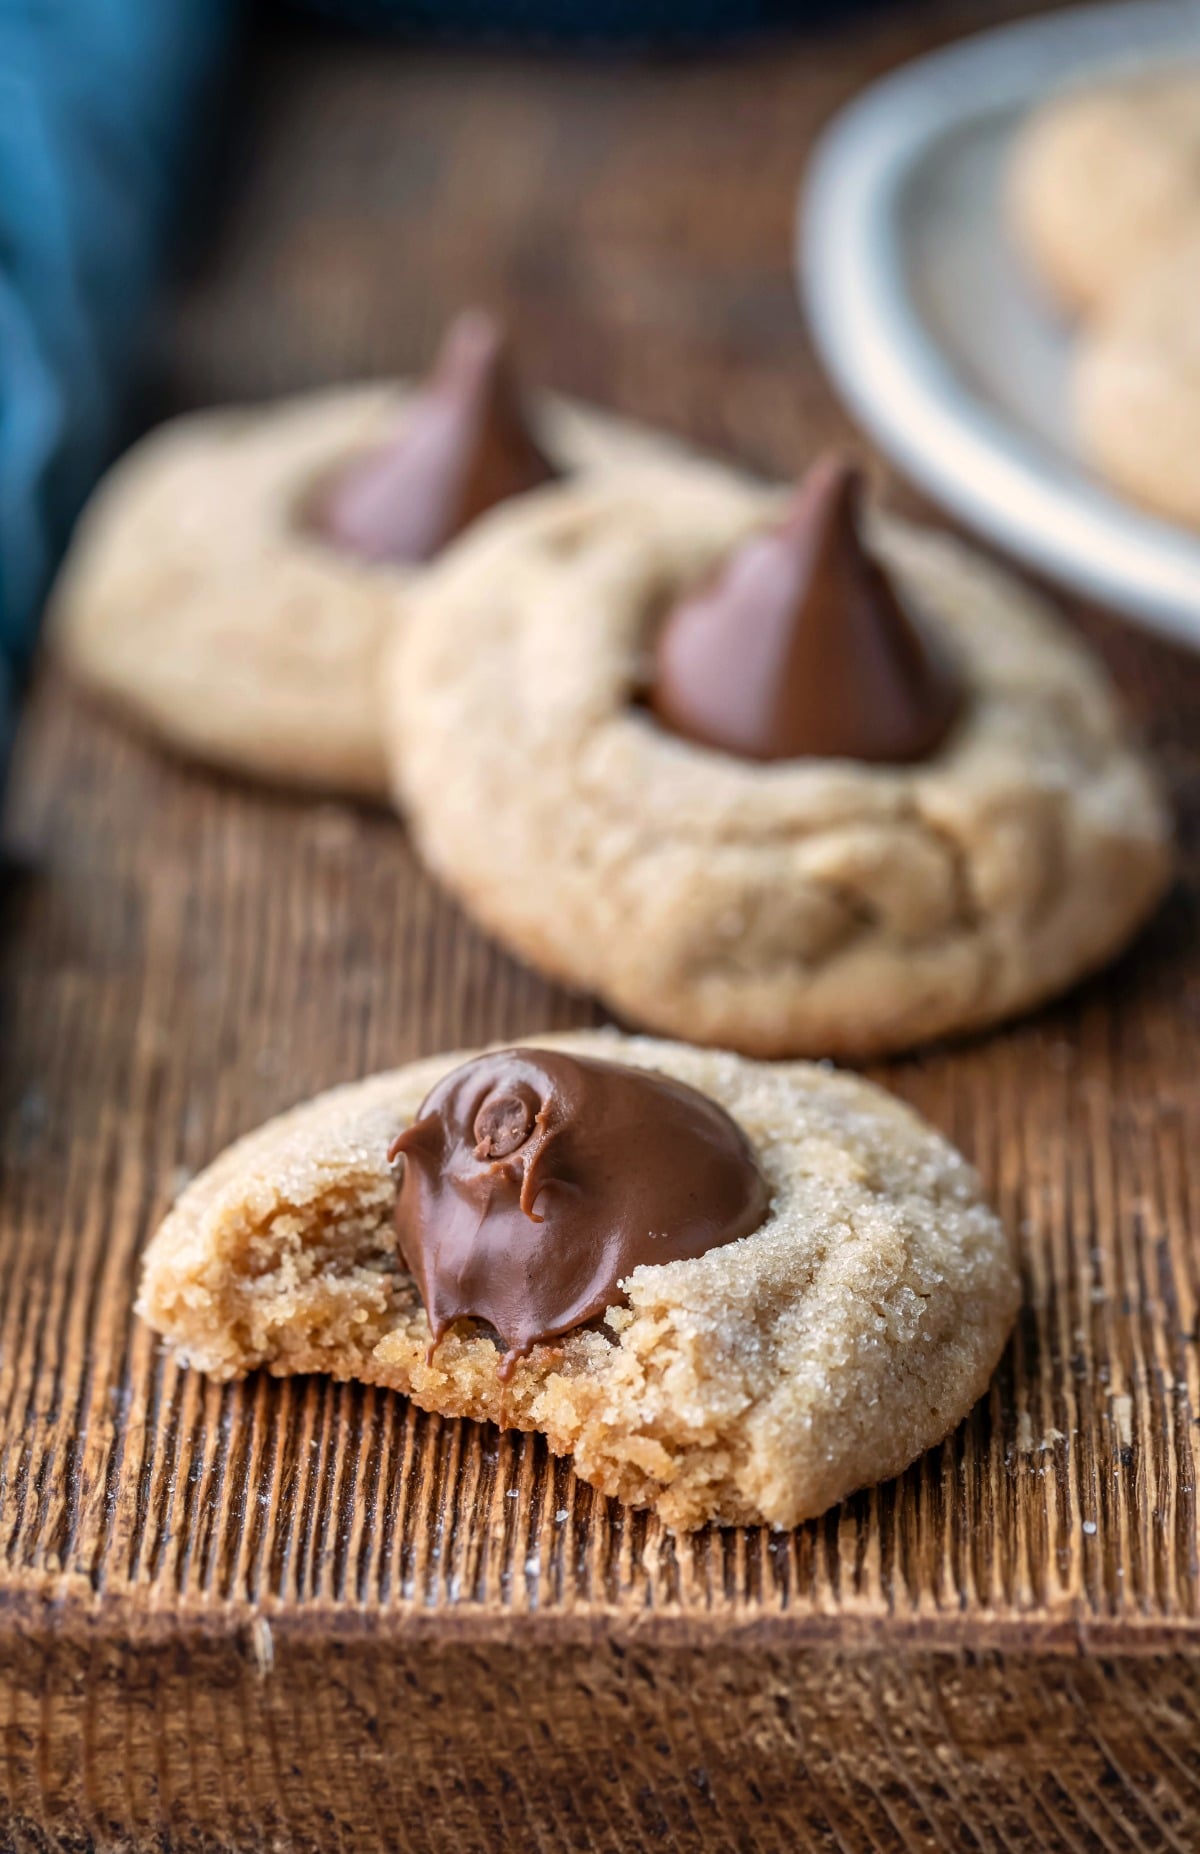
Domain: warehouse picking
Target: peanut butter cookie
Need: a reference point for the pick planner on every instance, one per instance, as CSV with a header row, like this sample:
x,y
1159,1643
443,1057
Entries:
x,y
1137,386
763,784
833,1300
1103,180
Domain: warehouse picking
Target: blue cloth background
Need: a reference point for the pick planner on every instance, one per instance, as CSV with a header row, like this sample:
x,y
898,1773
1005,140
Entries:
x,y
679,23
95,101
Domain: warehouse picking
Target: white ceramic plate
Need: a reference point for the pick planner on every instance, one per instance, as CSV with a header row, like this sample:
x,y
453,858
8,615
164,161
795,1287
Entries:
x,y
933,333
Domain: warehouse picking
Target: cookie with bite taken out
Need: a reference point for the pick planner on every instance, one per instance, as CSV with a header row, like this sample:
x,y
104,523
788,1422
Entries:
x,y
731,1290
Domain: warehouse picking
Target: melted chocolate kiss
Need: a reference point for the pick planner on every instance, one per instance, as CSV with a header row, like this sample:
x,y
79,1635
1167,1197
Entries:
x,y
463,445
534,1182
800,648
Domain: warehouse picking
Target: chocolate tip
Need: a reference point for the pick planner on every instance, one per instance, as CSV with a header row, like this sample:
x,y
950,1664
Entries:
x,y
831,492
411,1136
476,340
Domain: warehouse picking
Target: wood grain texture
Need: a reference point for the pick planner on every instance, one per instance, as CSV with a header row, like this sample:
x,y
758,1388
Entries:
x,y
309,1616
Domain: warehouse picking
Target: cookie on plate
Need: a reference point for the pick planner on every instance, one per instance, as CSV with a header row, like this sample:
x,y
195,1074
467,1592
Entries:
x,y
732,1291
766,778
1103,179
1137,386
233,580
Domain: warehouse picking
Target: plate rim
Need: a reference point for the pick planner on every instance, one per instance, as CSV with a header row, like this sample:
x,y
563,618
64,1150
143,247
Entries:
x,y
889,368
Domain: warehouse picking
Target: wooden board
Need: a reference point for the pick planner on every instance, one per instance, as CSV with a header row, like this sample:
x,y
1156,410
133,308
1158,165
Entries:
x,y
308,1616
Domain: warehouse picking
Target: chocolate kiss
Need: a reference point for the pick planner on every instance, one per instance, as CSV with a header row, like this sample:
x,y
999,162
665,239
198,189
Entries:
x,y
800,648
462,446
534,1182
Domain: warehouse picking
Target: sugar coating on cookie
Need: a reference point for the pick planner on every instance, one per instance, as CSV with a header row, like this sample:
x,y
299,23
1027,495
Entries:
x,y
1105,178
199,597
806,907
762,1381
1137,386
